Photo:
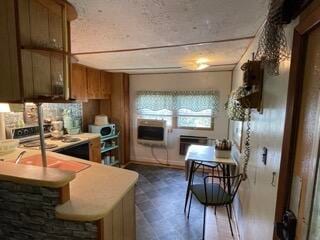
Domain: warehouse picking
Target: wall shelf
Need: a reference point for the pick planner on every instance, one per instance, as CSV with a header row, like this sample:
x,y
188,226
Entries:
x,y
114,163
46,51
49,52
107,149
111,150
253,99
110,137
253,82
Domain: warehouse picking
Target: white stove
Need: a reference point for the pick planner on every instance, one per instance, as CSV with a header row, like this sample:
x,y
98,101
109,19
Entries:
x,y
28,133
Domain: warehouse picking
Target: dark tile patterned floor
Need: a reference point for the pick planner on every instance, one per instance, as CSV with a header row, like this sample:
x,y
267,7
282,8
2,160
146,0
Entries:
x,y
160,195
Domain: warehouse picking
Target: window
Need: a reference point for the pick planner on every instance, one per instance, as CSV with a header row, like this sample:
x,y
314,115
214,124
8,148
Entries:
x,y
189,119
157,115
181,109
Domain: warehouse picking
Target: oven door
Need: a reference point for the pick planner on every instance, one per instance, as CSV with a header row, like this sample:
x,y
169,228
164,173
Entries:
x,y
78,151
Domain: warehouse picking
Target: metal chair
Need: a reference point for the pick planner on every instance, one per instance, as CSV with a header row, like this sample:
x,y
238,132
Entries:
x,y
215,191
204,165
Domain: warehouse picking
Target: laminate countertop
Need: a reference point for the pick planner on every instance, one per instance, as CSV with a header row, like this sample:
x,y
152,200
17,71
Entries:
x,y
84,137
94,191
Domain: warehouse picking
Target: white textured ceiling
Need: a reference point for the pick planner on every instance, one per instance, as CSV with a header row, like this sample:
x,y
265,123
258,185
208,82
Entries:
x,y
107,25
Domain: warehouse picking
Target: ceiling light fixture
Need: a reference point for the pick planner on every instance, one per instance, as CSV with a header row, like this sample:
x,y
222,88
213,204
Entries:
x,y
202,63
197,64
202,66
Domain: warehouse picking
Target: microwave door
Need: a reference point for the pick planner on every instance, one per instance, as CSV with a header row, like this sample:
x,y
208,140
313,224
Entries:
x,y
106,131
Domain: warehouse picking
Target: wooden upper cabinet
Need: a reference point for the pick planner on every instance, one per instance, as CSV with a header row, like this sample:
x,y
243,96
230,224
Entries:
x,y
93,80
9,63
44,47
39,50
78,83
105,84
99,84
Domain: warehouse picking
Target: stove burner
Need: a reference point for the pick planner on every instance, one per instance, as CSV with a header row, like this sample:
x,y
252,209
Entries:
x,y
70,139
37,144
50,146
32,144
56,139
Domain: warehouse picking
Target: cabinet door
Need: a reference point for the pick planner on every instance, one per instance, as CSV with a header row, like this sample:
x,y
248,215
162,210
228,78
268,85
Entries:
x,y
9,83
105,84
95,150
42,28
93,80
78,82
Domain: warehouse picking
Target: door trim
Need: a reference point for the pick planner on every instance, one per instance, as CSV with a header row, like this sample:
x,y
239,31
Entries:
x,y
300,38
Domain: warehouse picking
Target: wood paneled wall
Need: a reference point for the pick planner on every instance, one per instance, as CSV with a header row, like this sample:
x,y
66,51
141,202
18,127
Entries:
x,y
120,112
9,83
91,108
116,108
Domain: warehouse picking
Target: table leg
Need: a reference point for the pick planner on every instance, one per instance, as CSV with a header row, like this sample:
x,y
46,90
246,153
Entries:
x,y
189,183
228,183
187,168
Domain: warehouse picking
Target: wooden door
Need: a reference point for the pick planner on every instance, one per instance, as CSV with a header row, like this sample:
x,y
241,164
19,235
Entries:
x,y
105,84
93,80
306,156
78,88
9,66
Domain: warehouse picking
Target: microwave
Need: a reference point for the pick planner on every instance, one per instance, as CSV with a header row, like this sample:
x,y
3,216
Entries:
x,y
104,130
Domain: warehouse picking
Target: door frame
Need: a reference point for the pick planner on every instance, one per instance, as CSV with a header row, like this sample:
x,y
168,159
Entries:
x,y
293,107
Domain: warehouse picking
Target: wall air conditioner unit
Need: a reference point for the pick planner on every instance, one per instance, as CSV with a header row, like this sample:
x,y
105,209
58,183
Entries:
x,y
152,132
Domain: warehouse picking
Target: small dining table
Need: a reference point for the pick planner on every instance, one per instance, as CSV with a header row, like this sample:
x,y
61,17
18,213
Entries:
x,y
205,154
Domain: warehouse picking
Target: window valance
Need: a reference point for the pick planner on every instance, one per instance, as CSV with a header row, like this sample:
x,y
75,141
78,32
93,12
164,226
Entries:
x,y
195,101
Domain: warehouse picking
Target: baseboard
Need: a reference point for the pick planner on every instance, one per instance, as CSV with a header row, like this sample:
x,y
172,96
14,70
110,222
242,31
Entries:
x,y
171,164
160,162
155,163
235,220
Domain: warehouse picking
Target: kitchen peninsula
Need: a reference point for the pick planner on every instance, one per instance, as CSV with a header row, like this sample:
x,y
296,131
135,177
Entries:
x,y
97,202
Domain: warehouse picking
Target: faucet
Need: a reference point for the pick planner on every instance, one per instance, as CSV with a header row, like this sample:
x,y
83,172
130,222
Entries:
x,y
20,156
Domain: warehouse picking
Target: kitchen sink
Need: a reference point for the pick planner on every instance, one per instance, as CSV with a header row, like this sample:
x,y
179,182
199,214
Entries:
x,y
53,162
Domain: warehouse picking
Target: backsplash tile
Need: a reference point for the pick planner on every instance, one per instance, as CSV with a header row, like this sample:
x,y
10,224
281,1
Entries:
x,y
12,119
51,111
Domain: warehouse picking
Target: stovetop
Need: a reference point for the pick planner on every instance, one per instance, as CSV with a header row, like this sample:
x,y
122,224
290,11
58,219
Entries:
x,y
28,133
51,143
36,144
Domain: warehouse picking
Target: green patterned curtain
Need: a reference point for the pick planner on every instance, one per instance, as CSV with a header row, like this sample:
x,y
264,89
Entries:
x,y
195,101
154,100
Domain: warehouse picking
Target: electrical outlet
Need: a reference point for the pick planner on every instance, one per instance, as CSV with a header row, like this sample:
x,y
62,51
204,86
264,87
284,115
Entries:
x,y
264,155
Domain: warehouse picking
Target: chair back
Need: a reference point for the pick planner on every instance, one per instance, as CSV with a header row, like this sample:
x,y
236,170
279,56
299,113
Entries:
x,y
221,189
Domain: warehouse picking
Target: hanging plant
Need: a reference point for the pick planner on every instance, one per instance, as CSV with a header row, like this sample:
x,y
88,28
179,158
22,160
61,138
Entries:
x,y
272,46
235,111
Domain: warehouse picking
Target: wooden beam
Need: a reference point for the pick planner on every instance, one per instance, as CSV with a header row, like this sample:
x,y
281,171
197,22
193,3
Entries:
x,y
309,22
165,68
166,46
